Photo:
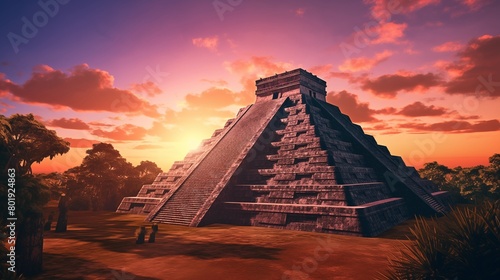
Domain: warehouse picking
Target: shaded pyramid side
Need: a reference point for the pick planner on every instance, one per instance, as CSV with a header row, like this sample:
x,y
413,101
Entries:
x,y
420,194
305,175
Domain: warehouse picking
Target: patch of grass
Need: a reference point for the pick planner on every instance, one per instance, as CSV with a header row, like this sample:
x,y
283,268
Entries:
x,y
464,245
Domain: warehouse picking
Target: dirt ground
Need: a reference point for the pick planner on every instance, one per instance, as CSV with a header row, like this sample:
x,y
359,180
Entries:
x,y
101,245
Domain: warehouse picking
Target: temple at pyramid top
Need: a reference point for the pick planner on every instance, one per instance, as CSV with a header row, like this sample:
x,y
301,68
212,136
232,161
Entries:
x,y
290,161
297,81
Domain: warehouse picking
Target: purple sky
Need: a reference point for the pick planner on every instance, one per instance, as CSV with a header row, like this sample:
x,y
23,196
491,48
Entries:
x,y
155,77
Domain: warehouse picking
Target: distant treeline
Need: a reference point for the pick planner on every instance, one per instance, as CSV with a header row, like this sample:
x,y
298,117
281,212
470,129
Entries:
x,y
101,181
472,184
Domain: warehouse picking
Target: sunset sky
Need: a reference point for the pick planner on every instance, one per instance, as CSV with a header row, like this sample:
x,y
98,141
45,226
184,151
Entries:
x,y
153,78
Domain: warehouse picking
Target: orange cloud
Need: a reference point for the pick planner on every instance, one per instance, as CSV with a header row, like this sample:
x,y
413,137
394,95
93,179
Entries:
x,y
321,70
123,132
390,85
72,123
454,126
251,70
364,63
100,124
201,114
210,43
448,47
82,89
208,110
388,32
212,98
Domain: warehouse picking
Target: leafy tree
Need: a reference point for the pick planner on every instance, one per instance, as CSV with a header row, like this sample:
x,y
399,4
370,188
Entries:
x,y
104,178
79,198
29,142
5,129
146,174
441,175
23,141
5,136
148,170
492,175
437,173
472,184
102,175
55,182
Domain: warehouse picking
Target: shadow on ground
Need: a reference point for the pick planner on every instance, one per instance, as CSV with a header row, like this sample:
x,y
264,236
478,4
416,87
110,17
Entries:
x,y
79,267
119,236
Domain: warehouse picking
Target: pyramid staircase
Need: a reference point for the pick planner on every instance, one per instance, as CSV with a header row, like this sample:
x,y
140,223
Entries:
x,y
166,183
209,176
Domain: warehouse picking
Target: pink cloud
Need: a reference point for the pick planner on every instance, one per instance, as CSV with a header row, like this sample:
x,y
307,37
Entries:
x,y
210,43
364,63
448,47
474,5
149,88
389,32
382,9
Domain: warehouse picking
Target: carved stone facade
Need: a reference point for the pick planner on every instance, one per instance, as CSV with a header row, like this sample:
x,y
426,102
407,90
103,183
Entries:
x,y
290,161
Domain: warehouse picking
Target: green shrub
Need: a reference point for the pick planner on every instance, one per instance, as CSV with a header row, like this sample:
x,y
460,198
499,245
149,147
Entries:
x,y
465,246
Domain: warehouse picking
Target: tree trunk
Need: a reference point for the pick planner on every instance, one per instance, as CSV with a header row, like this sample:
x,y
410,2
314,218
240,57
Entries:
x,y
62,220
29,245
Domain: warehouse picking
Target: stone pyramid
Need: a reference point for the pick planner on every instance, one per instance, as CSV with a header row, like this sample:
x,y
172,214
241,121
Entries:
x,y
292,161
